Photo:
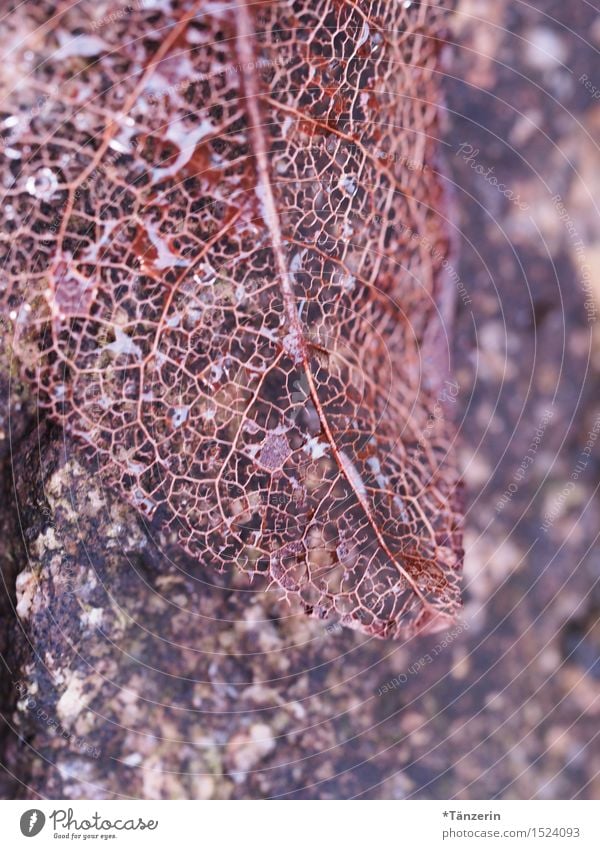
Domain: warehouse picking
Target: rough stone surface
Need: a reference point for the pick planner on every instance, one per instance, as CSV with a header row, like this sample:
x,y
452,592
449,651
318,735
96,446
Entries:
x,y
133,678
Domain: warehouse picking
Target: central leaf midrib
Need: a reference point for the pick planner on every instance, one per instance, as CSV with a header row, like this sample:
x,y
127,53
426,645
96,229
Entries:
x,y
244,45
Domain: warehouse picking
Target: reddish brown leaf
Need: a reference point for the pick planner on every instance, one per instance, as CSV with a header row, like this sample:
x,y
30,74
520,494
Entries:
x,y
223,247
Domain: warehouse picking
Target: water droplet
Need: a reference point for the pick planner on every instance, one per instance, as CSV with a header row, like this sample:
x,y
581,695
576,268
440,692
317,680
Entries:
x,y
43,184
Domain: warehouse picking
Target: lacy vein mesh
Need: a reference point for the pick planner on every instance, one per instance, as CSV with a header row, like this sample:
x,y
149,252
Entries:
x,y
223,232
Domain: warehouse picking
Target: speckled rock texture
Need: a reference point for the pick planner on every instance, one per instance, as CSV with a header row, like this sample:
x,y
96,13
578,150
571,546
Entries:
x,y
137,679
126,674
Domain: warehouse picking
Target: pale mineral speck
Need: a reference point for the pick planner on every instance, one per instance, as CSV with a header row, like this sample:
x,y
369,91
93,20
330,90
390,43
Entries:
x,y
92,618
26,586
247,749
72,701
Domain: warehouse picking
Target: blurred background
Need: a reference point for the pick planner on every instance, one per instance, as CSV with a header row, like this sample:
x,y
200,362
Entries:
x,y
523,93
